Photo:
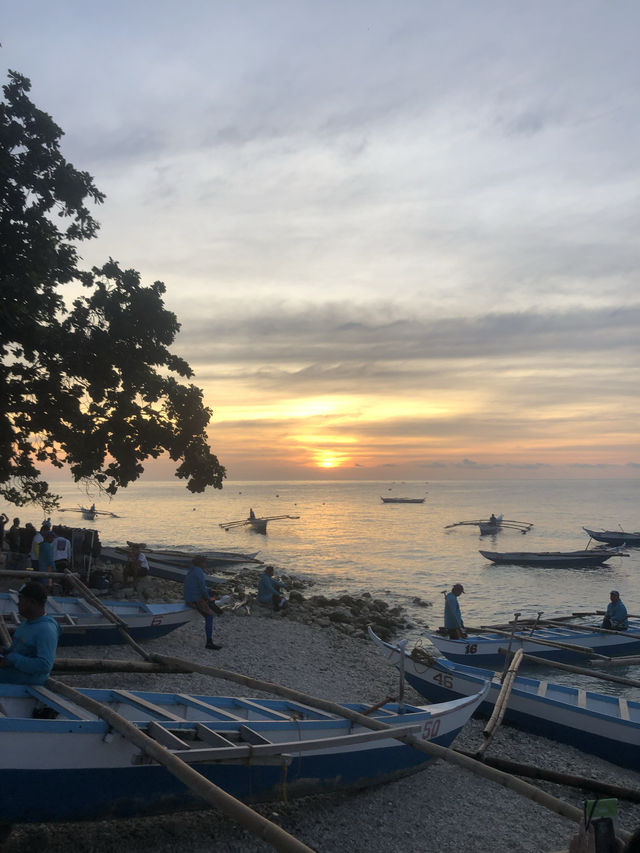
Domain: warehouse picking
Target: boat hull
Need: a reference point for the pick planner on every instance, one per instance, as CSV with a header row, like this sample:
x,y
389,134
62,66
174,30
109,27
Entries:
x,y
66,769
550,559
595,723
84,625
614,537
483,649
402,500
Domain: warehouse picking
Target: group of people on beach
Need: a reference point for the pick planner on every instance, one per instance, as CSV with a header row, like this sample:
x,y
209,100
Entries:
x,y
198,596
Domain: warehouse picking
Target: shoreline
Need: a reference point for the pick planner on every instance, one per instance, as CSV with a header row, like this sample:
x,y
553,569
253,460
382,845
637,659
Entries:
x,y
441,808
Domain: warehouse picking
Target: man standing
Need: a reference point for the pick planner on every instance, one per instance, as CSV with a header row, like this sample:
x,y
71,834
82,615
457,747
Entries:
x,y
29,659
16,560
269,590
452,617
615,618
196,595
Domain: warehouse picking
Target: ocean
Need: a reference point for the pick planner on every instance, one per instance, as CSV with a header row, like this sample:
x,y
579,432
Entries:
x,y
346,539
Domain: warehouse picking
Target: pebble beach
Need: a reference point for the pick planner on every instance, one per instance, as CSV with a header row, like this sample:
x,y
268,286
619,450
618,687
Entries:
x,y
442,808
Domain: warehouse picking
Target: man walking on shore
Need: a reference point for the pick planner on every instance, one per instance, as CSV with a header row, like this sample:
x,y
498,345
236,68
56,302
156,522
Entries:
x,y
196,595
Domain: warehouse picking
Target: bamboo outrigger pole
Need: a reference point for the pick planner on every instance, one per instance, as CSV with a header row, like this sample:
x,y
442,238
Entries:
x,y
580,670
499,708
478,768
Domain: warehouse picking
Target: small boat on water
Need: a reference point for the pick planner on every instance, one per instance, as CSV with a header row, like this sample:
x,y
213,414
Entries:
x,y
596,723
84,625
615,537
482,648
494,524
90,513
402,500
255,523
554,559
58,762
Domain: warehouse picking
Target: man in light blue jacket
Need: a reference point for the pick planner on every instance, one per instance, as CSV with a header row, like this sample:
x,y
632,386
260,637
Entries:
x,y
29,659
452,617
616,616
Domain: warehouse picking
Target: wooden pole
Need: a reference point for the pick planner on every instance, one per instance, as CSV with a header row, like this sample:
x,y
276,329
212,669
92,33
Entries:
x,y
91,665
523,788
580,670
604,789
593,629
212,794
588,652
501,703
32,575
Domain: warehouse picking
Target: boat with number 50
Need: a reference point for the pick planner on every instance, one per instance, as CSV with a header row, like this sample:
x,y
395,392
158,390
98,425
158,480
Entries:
x,y
59,762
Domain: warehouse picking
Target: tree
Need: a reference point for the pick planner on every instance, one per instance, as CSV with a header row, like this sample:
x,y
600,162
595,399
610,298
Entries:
x,y
89,383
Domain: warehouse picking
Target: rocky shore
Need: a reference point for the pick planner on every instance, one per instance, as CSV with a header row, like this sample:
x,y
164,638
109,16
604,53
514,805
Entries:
x,y
318,647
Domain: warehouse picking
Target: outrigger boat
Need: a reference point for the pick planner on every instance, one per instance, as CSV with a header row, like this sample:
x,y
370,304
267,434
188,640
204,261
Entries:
x,y
555,559
90,513
596,723
402,500
59,762
494,524
552,639
84,625
257,524
614,537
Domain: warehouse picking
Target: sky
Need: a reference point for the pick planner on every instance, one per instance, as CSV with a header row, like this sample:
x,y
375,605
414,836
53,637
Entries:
x,y
401,237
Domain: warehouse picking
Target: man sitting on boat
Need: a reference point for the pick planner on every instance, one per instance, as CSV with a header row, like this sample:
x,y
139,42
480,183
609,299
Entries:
x,y
453,623
269,592
615,618
29,659
137,565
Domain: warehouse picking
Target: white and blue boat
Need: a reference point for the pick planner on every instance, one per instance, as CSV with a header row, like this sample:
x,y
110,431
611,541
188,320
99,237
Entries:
x,y
59,762
596,723
174,565
483,649
84,625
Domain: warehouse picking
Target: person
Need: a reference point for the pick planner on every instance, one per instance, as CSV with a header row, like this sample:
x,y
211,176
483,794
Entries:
x,y
269,590
45,552
137,565
35,545
453,623
493,519
61,553
4,518
16,559
29,659
252,514
615,618
196,595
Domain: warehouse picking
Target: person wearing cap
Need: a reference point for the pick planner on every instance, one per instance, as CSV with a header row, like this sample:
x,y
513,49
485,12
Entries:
x,y
29,659
453,623
615,618
196,595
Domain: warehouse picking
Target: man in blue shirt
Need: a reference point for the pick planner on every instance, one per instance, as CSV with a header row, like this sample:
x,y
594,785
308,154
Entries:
x,y
269,590
616,615
196,595
453,623
29,659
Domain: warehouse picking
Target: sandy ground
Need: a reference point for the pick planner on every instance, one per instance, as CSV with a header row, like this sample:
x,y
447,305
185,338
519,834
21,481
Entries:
x,y
442,808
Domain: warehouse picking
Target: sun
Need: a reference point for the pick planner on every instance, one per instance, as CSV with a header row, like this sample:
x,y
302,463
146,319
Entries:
x,y
328,459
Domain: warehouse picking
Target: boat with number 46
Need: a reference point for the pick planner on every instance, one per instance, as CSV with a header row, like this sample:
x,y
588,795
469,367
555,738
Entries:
x,y
59,762
596,723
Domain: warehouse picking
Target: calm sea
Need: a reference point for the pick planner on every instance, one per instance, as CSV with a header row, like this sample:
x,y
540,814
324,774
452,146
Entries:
x,y
347,539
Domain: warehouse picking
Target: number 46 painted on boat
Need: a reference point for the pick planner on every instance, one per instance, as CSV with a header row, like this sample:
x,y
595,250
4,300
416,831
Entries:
x,y
443,680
